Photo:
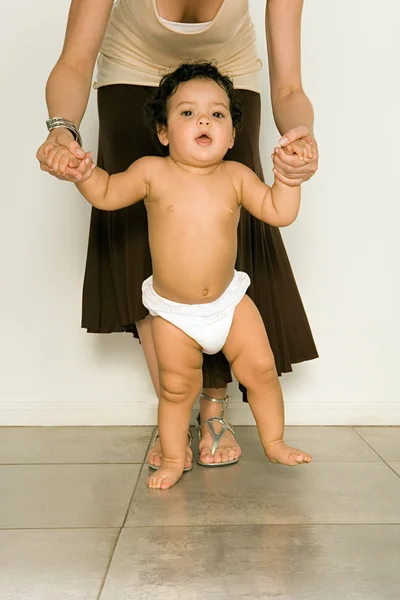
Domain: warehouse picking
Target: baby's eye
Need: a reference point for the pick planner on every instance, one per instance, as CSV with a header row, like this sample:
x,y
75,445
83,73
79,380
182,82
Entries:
x,y
187,113
218,115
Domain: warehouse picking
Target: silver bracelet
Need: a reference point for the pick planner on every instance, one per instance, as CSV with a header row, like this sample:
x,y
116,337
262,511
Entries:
x,y
61,122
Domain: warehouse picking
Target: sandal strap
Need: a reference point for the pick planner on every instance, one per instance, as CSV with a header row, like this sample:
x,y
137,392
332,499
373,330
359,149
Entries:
x,y
216,436
224,401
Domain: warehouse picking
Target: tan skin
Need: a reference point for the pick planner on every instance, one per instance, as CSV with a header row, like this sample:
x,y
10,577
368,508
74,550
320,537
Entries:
x,y
295,158
194,192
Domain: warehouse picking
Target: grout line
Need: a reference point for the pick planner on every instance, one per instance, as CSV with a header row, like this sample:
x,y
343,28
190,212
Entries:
x,y
81,528
377,453
308,524
73,464
103,583
213,525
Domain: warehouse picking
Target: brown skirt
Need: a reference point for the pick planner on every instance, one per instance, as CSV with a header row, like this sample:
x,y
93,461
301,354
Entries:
x,y
118,258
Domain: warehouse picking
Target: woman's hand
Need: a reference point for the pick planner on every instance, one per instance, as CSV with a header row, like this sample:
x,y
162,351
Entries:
x,y
296,160
62,157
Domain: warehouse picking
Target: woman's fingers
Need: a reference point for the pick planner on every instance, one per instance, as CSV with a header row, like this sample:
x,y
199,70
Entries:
x,y
286,180
65,177
45,149
61,152
303,171
59,158
292,168
288,162
64,162
70,174
294,134
74,162
50,155
75,149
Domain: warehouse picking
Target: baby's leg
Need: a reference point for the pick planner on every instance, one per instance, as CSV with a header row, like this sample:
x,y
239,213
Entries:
x,y
247,349
179,361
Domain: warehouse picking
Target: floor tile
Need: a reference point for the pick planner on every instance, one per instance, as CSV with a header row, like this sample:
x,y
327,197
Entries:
x,y
385,440
27,445
54,564
41,496
325,444
355,562
254,492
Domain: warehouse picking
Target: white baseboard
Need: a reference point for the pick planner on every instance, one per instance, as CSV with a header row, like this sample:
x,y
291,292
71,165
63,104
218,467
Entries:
x,y
74,413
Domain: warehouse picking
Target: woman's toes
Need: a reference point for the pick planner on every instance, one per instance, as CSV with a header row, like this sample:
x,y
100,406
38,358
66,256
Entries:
x,y
225,455
206,456
155,460
232,454
188,460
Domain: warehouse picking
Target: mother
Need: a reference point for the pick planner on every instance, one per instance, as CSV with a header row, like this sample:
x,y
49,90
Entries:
x,y
138,41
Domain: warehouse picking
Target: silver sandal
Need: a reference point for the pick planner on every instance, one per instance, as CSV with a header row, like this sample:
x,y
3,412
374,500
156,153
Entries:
x,y
155,438
217,437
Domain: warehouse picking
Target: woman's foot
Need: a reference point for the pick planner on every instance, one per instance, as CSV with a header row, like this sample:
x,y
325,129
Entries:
x,y
155,455
165,477
228,449
279,452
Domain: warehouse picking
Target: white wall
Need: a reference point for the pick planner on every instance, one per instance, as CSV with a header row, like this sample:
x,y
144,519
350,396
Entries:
x,y
343,248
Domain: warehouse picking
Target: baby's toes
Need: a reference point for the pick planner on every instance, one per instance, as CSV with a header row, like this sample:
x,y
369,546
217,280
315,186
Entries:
x,y
154,482
151,481
302,457
166,483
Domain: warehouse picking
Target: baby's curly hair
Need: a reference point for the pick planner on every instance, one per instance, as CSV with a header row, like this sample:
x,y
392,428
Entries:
x,y
156,108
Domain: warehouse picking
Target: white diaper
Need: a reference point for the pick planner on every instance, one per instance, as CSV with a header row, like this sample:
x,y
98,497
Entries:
x,y
208,324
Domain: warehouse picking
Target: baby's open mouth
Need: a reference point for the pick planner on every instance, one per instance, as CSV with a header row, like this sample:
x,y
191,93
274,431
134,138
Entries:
x,y
203,140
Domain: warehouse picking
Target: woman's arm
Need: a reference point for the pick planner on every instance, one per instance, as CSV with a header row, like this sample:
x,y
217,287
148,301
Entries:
x,y
69,83
68,86
290,105
296,158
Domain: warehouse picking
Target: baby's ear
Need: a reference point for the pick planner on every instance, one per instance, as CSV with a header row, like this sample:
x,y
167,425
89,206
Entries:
x,y
231,143
162,134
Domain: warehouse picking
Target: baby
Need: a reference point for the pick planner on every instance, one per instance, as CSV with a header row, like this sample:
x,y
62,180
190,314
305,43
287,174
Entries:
x,y
198,300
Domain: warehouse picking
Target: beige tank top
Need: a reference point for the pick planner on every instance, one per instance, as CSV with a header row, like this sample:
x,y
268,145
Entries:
x,y
139,47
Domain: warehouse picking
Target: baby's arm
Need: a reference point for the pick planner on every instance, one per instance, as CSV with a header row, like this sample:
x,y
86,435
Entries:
x,y
277,205
111,192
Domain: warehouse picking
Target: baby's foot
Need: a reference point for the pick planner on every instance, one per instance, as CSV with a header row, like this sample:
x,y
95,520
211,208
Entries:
x,y
279,452
165,477
155,455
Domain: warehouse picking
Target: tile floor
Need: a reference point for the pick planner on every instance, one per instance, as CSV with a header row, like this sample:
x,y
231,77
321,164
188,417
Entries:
x,y
78,523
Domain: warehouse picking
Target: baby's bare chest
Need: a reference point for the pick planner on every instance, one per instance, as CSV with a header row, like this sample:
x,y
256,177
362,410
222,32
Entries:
x,y
212,201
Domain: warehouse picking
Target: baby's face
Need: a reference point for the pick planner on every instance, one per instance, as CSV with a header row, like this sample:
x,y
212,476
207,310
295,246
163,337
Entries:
x,y
200,129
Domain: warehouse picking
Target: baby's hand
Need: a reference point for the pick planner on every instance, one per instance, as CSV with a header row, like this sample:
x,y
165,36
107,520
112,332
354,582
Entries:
x,y
303,147
86,167
296,159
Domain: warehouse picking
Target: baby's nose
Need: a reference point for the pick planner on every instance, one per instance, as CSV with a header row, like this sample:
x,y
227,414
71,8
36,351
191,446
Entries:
x,y
204,120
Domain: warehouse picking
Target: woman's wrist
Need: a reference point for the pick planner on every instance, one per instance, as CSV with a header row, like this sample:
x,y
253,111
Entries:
x,y
54,133
61,122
